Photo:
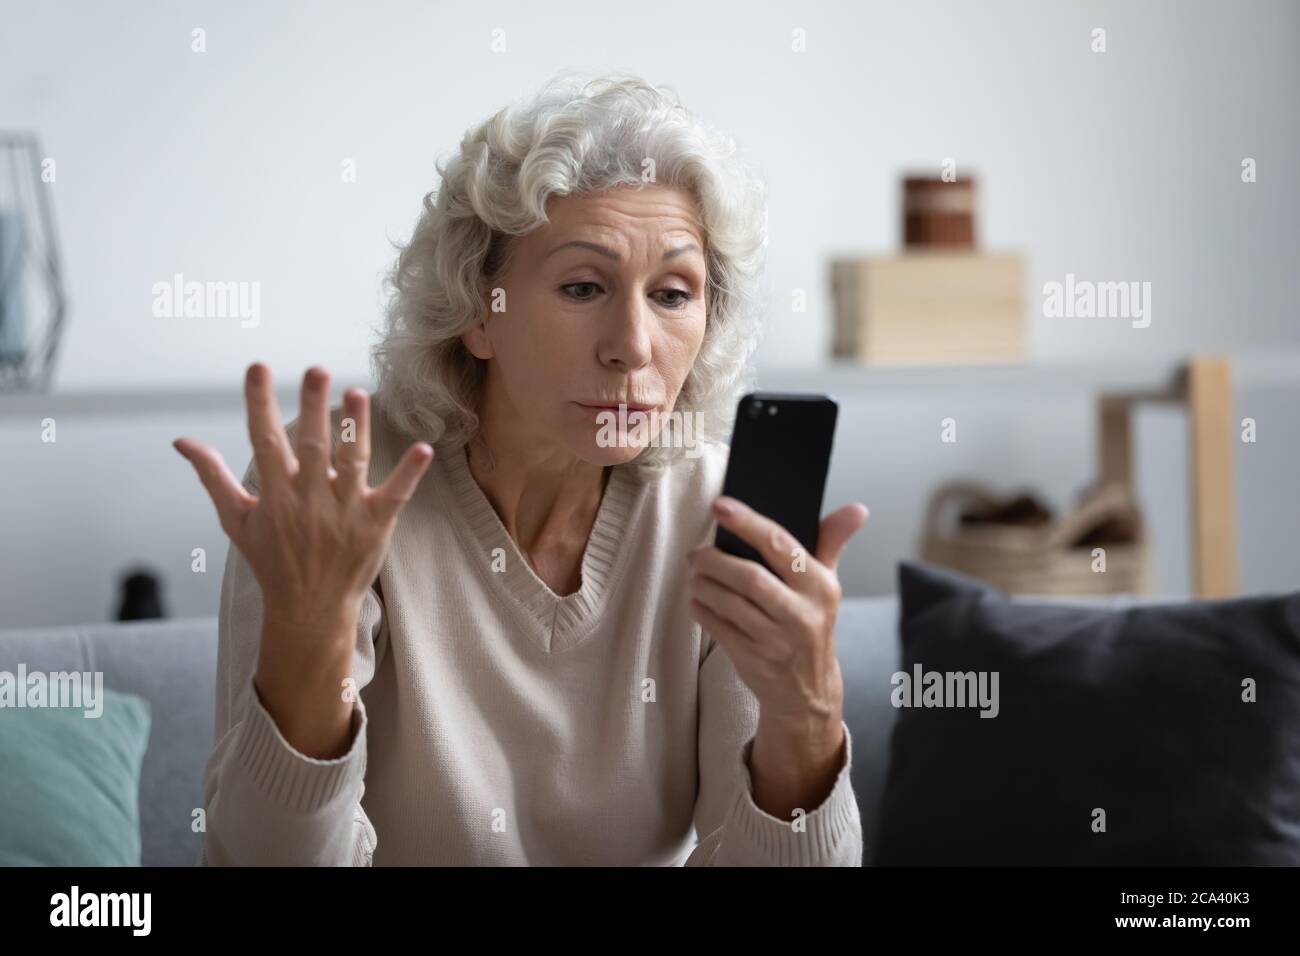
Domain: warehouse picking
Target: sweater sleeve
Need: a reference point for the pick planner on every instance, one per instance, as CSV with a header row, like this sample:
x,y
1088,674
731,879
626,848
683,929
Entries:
x,y
733,830
265,802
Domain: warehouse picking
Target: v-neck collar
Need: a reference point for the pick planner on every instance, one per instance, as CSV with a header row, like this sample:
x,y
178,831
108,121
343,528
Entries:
x,y
552,622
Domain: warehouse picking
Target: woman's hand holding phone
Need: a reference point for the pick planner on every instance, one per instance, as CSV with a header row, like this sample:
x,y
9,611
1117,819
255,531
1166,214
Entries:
x,y
779,631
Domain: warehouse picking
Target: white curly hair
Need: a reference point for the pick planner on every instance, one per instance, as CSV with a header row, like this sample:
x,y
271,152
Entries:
x,y
576,136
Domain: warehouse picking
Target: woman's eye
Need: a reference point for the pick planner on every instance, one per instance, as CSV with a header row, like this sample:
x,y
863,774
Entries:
x,y
580,285
678,303
586,291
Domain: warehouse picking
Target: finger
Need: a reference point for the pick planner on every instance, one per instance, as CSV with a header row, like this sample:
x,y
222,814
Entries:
x,y
232,501
749,578
747,617
835,531
387,500
778,547
736,644
275,461
312,434
353,457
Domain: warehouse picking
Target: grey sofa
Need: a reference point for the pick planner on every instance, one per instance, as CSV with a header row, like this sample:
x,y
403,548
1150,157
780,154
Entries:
x,y
172,664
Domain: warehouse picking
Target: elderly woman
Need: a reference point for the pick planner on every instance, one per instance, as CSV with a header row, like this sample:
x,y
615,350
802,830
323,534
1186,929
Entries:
x,y
463,626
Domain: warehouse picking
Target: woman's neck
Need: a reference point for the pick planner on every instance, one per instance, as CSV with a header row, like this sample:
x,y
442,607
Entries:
x,y
547,500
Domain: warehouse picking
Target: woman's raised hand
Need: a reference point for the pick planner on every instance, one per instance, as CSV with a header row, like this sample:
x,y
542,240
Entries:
x,y
316,534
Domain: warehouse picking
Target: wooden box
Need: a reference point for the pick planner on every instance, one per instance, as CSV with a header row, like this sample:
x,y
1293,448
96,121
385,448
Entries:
x,y
932,307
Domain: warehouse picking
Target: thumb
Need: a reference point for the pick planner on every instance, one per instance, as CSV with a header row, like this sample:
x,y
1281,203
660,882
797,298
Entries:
x,y
835,531
231,500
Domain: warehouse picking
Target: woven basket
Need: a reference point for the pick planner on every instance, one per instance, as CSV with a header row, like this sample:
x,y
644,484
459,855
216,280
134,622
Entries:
x,y
1038,560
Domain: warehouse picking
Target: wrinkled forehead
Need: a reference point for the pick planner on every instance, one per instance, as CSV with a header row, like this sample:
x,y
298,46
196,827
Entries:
x,y
658,215
660,223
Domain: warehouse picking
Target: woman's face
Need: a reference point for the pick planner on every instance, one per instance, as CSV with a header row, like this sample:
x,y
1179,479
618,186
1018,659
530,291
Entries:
x,y
603,304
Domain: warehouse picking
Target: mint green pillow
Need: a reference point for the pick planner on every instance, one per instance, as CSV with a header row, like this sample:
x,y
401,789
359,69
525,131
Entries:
x,y
70,784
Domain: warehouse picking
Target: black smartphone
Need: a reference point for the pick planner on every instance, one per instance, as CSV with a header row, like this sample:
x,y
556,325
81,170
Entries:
x,y
780,455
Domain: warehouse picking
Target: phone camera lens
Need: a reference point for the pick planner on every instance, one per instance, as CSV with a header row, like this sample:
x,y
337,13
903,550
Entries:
x,y
755,409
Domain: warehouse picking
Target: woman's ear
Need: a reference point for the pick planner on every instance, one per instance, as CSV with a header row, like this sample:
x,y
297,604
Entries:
x,y
477,341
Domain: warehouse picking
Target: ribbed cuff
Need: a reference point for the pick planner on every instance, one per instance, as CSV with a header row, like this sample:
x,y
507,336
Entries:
x,y
363,849
291,779
831,834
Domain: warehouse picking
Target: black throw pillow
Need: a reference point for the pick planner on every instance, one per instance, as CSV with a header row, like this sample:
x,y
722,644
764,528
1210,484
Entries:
x,y
1158,734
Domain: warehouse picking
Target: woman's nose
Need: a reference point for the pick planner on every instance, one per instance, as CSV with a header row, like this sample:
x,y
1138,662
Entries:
x,y
625,336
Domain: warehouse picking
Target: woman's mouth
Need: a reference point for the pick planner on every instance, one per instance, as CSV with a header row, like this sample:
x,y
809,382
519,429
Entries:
x,y
614,406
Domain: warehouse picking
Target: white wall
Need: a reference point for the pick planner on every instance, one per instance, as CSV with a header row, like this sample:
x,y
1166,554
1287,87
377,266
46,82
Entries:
x,y
225,165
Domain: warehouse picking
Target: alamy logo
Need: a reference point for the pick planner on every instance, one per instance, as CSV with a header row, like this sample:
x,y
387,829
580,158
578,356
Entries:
x,y
924,688
638,429
102,909
1098,300
179,299
57,689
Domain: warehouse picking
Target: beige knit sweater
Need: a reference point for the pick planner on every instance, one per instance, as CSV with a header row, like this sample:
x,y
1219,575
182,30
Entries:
x,y
501,724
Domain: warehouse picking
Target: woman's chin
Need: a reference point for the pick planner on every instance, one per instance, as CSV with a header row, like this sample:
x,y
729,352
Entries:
x,y
592,447
615,455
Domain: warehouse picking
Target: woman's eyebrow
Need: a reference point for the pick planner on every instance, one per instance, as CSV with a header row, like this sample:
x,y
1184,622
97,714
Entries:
x,y
611,254
680,249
